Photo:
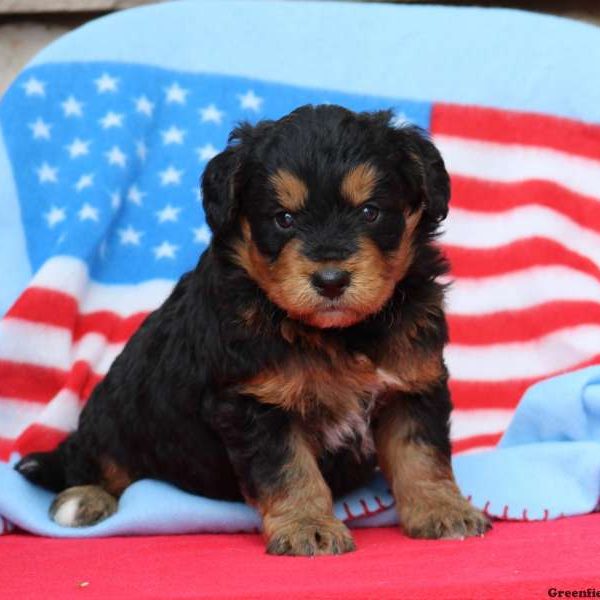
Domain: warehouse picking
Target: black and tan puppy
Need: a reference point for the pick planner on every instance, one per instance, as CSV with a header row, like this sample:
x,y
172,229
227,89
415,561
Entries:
x,y
303,350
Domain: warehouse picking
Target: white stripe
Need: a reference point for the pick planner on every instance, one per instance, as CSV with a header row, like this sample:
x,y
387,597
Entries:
x,y
50,346
41,345
61,413
16,415
520,289
559,350
468,423
470,229
513,162
70,276
94,349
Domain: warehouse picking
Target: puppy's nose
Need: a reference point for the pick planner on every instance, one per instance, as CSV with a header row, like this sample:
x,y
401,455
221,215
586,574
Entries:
x,y
331,283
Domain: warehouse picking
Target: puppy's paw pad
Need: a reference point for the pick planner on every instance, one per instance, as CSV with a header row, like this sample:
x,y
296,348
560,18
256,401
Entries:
x,y
312,537
82,505
455,521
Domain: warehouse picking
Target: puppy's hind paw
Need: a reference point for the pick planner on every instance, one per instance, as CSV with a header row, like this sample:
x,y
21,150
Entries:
x,y
82,505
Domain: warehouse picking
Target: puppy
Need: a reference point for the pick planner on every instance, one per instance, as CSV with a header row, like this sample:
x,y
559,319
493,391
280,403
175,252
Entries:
x,y
303,350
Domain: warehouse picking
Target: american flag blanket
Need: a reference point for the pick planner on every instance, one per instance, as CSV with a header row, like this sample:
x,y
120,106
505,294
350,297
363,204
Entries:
x,y
102,141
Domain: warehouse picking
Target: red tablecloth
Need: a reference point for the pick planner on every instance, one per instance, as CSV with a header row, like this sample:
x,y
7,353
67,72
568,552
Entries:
x,y
516,560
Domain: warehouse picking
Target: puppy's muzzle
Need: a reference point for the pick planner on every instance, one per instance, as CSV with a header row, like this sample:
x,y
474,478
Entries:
x,y
330,283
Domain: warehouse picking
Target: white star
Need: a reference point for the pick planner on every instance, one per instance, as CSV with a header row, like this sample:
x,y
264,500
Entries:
x,y
115,200
116,157
144,106
168,213
54,216
85,181
111,119
40,129
206,152
141,150
34,87
88,213
135,195
72,107
106,83
173,135
47,173
211,114
176,94
130,237
202,234
250,101
78,148
165,250
170,176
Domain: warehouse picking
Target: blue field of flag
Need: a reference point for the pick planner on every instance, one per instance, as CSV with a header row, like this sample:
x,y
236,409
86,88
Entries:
x,y
109,158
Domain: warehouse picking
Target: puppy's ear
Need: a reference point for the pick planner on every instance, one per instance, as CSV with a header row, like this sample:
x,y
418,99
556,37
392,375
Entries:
x,y
218,189
434,179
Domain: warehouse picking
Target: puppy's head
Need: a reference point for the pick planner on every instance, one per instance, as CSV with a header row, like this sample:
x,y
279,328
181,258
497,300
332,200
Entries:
x,y
324,208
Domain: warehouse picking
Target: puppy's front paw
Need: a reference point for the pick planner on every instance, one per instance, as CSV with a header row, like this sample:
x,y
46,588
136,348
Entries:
x,y
453,518
311,537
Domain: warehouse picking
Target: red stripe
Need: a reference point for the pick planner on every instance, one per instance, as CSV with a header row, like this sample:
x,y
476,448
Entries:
x,y
116,329
521,325
38,438
522,254
484,394
476,441
492,196
500,394
512,127
46,306
41,305
28,382
81,379
41,384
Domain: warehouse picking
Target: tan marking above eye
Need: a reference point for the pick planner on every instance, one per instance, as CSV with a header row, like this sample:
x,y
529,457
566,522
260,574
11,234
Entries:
x,y
291,191
358,184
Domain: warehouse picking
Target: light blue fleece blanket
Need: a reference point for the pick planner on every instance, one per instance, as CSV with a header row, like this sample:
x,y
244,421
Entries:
x,y
122,114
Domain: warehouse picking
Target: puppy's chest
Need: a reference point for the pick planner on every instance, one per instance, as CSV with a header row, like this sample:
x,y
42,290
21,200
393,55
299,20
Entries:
x,y
331,392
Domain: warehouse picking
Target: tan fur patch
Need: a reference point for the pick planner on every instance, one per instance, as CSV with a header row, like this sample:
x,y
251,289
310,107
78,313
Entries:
x,y
287,281
402,258
310,381
291,191
359,183
408,368
298,516
428,501
114,478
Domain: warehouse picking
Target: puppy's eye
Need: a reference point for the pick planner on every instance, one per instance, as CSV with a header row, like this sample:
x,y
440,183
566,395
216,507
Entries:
x,y
370,212
284,219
